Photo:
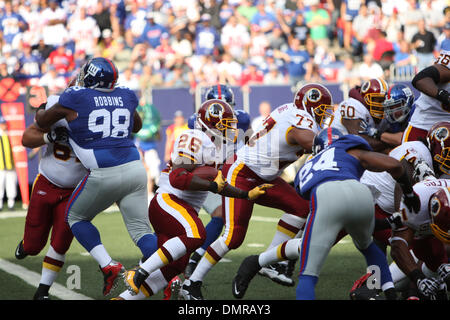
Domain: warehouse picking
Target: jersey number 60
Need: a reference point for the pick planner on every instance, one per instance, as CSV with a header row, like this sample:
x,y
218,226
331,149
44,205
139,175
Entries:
x,y
111,124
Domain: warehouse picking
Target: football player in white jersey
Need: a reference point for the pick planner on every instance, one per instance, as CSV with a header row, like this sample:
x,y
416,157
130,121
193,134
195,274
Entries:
x,y
433,104
173,212
281,139
364,106
425,233
213,203
59,173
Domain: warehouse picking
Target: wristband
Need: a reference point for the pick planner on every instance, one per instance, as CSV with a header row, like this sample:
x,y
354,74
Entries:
x,y
409,195
213,187
45,137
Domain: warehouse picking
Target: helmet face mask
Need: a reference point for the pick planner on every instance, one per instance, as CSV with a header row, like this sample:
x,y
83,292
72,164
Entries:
x,y
438,139
374,92
398,103
439,209
317,101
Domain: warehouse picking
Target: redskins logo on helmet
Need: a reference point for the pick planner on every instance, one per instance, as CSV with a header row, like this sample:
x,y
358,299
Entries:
x,y
215,110
438,139
217,117
313,95
439,208
316,99
373,92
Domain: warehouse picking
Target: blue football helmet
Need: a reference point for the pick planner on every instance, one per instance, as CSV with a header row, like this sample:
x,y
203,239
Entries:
x,y
324,138
243,119
98,73
398,103
191,121
221,92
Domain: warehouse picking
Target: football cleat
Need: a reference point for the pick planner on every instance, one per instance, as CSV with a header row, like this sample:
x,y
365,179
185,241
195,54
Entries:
x,y
277,273
191,290
193,261
134,279
172,291
360,291
110,274
20,252
247,270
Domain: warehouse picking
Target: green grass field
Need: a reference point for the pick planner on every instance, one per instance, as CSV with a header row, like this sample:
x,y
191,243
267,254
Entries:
x,y
343,266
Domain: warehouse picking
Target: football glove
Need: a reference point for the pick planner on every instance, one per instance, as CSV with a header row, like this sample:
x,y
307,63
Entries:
x,y
444,273
59,134
369,130
428,287
412,202
395,220
422,171
258,191
444,97
220,181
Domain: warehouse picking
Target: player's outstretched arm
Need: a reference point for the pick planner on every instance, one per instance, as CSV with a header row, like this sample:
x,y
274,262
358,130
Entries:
x,y
45,118
375,161
301,137
400,252
33,137
427,79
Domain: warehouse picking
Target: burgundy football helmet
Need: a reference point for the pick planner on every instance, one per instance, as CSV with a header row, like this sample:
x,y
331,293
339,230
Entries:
x,y
373,92
438,139
316,99
439,208
217,117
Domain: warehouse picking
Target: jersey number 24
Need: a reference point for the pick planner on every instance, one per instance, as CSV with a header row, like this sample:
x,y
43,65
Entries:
x,y
325,162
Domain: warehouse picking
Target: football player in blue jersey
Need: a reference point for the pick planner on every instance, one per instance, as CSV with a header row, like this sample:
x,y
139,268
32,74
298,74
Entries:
x,y
330,180
398,109
101,118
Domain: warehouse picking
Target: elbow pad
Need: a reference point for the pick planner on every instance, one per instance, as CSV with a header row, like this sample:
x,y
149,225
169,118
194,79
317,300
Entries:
x,y
428,72
180,178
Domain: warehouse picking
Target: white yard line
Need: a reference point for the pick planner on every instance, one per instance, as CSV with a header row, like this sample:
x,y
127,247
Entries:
x,y
33,278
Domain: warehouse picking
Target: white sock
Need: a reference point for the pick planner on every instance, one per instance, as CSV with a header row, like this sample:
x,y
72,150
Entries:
x,y
51,268
287,250
100,254
287,228
207,262
175,248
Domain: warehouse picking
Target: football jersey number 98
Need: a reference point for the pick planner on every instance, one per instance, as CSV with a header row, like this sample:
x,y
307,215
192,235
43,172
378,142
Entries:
x,y
113,124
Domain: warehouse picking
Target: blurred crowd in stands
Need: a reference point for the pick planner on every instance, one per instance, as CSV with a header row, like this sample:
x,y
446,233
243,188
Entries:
x,y
194,43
